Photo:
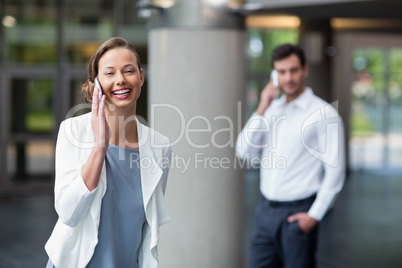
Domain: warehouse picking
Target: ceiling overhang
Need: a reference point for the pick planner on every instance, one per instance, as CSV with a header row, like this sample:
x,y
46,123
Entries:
x,y
324,9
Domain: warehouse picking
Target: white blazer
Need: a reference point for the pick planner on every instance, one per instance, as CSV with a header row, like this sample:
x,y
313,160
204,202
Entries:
x,y
75,236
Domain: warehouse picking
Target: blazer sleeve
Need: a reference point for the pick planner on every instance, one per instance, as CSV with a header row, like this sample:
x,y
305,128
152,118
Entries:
x,y
72,197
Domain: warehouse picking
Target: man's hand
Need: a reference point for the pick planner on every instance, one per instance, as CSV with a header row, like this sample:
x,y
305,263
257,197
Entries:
x,y
268,94
306,223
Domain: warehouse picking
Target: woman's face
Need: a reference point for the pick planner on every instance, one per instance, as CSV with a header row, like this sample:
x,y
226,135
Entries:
x,y
120,78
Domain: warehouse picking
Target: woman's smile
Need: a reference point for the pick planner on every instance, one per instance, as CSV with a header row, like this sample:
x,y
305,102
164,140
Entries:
x,y
121,94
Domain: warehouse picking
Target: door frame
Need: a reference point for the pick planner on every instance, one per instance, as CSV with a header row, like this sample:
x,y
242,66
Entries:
x,y
61,105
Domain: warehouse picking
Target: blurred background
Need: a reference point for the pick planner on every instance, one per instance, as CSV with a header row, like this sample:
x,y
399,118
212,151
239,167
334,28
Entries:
x,y
354,51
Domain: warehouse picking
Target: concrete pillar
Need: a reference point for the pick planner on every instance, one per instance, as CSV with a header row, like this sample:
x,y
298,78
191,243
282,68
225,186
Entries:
x,y
196,79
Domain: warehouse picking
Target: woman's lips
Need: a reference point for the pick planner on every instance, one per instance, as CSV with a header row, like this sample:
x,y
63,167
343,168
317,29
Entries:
x,y
121,93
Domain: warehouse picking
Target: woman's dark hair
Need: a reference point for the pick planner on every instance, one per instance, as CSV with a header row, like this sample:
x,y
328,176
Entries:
x,y
88,86
283,51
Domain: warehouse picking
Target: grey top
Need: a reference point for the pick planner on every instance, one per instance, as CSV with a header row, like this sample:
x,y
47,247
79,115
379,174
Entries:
x,y
122,213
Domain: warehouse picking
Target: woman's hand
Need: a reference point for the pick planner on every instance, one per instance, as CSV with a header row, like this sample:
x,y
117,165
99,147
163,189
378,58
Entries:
x,y
100,127
92,169
268,94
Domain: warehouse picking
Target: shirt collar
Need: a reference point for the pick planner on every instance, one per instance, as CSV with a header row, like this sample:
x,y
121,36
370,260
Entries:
x,y
304,99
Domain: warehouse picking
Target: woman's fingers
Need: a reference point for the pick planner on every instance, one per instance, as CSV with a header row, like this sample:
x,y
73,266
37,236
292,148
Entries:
x,y
99,124
102,123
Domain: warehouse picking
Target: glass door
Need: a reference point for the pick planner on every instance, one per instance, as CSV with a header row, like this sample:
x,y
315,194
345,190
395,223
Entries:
x,y
375,101
376,125
30,144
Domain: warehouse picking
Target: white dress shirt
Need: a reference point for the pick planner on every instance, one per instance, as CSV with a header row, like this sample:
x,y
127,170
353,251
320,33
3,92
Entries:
x,y
300,149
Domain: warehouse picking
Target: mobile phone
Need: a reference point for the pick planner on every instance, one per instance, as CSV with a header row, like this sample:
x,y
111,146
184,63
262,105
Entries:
x,y
275,78
275,81
97,84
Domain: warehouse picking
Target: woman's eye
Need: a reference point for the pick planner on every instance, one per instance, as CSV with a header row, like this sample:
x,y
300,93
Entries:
x,y
130,71
109,73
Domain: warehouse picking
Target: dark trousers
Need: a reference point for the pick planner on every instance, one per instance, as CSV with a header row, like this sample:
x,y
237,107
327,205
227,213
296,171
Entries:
x,y
279,243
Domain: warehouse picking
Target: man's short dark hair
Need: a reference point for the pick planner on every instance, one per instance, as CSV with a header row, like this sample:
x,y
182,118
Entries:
x,y
283,51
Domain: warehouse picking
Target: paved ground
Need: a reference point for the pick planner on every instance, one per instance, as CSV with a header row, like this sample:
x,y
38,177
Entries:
x,y
26,223
364,230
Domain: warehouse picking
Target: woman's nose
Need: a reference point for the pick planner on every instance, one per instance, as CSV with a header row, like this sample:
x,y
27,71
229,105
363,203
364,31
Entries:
x,y
120,79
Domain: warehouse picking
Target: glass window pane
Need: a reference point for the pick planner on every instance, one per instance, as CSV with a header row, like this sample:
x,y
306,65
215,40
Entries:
x,y
367,139
376,109
395,95
396,62
395,108
11,159
78,98
30,31
372,59
30,160
262,42
40,157
133,28
31,101
88,23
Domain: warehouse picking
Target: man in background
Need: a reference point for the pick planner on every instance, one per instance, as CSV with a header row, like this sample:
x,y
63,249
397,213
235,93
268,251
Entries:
x,y
293,125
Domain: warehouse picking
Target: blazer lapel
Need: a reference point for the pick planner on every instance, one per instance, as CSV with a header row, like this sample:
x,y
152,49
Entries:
x,y
151,171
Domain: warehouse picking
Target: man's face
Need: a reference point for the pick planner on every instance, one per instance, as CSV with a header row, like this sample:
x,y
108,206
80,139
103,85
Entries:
x,y
291,75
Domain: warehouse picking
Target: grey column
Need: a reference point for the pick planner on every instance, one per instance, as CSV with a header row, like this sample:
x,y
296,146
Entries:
x,y
196,82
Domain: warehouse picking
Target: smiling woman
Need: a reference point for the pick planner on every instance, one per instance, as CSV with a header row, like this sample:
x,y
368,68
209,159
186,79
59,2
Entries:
x,y
121,79
93,67
98,227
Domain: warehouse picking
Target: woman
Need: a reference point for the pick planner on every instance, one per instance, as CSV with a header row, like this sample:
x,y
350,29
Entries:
x,y
111,172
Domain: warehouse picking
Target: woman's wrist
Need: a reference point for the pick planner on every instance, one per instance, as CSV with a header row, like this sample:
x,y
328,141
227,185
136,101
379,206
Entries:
x,y
100,148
